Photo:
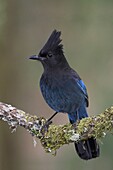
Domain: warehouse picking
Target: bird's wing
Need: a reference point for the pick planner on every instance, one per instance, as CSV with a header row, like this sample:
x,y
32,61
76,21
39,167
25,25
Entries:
x,y
83,89
80,84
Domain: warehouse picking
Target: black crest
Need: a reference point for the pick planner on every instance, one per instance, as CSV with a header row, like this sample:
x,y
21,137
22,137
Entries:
x,y
53,44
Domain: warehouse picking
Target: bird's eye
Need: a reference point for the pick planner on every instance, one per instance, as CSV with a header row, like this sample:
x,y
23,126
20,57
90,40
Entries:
x,y
49,55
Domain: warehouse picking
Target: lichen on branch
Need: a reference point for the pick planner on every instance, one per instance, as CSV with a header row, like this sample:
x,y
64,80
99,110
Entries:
x,y
58,135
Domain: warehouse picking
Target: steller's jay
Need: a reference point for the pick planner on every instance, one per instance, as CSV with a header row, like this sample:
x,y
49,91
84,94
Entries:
x,y
64,91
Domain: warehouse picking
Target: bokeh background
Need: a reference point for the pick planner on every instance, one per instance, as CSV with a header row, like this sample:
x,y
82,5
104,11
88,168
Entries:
x,y
87,32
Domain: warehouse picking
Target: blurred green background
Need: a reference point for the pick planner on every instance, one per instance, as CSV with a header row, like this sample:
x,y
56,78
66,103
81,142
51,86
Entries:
x,y
87,33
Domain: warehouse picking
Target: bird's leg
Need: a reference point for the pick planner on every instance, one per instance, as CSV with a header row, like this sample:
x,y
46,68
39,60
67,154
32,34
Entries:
x,y
77,116
77,120
47,123
52,117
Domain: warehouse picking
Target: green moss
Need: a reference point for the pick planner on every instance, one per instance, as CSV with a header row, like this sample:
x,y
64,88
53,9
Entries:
x,y
96,126
54,137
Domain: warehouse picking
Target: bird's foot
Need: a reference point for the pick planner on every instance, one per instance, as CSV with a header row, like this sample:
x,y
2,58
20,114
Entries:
x,y
75,124
45,127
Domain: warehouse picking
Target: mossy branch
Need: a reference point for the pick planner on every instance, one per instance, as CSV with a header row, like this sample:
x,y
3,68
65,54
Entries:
x,y
56,136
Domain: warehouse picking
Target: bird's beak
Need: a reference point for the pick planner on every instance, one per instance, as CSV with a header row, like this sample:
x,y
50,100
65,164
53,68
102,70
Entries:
x,y
36,57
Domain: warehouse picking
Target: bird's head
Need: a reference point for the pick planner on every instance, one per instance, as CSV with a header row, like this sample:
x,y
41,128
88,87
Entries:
x,y
51,55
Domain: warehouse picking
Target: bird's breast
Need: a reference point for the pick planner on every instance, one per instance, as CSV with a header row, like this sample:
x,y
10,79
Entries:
x,y
59,94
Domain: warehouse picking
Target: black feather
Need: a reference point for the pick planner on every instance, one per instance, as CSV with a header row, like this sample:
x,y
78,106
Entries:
x,y
53,44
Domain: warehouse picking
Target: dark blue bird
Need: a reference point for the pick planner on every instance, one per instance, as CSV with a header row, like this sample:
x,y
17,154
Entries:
x,y
64,91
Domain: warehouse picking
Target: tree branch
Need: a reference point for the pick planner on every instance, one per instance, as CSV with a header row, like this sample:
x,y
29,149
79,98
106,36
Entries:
x,y
56,136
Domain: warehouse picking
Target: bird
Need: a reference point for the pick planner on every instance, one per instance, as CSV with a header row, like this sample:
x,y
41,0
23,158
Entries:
x,y
64,91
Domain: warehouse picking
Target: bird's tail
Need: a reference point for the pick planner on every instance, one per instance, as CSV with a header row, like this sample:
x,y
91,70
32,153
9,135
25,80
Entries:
x,y
87,149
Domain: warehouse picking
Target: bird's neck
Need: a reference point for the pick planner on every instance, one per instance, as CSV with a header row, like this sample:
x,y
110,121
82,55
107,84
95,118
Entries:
x,y
62,67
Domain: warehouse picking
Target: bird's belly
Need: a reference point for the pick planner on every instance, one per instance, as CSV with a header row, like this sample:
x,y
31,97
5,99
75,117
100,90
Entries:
x,y
60,100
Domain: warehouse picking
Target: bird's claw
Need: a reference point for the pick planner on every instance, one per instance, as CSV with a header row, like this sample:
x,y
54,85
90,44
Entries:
x,y
75,124
45,127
